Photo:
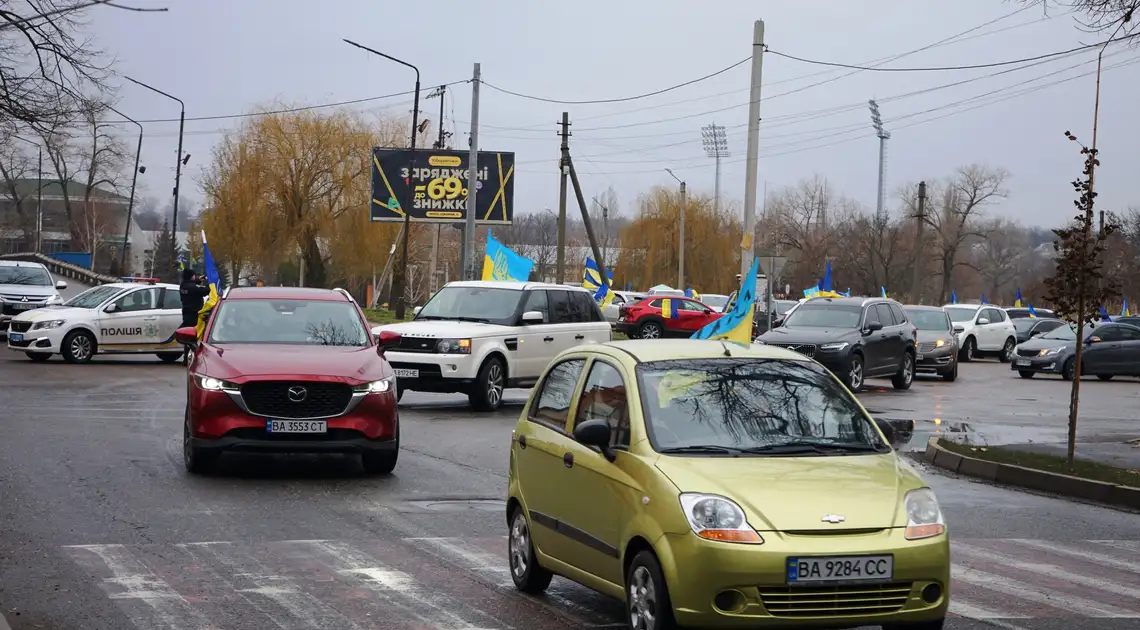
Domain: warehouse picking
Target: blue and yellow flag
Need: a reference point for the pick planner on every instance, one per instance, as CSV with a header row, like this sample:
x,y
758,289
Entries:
x,y
500,263
984,299
1124,312
1104,314
1032,313
736,325
1017,300
883,291
592,277
669,308
691,293
953,296
604,295
214,279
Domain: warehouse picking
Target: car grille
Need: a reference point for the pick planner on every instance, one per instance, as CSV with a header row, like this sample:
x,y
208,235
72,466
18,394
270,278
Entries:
x,y
806,349
21,326
10,309
272,399
927,346
1022,352
417,344
834,601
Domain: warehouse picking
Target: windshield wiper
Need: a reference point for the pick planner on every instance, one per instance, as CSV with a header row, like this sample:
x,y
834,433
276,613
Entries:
x,y
806,446
430,317
702,448
478,320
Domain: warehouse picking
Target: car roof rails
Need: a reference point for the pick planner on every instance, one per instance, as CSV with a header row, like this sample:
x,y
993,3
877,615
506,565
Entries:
x,y
226,292
346,294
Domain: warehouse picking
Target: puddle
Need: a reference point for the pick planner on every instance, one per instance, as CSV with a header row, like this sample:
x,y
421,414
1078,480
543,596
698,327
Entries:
x,y
459,505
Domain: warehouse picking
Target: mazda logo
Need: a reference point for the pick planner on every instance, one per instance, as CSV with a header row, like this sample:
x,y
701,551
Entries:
x,y
297,393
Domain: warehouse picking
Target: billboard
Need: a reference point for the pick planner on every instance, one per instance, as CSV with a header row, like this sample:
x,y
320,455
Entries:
x,y
439,182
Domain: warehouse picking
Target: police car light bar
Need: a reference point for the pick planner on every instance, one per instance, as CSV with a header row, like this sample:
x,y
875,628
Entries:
x,y
141,280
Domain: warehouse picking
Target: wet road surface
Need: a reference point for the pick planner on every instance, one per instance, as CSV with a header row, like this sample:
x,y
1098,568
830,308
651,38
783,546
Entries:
x,y
100,528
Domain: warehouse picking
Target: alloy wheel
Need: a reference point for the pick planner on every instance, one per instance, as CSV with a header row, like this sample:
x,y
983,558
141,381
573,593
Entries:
x,y
81,347
494,384
519,546
650,331
1007,351
908,369
642,600
855,378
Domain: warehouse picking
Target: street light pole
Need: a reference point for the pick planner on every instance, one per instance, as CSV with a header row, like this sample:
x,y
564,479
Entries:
x,y
134,181
1096,120
39,192
401,286
715,142
681,234
177,171
883,135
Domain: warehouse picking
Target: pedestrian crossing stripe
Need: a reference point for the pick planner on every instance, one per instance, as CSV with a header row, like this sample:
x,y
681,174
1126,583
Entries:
x,y
464,584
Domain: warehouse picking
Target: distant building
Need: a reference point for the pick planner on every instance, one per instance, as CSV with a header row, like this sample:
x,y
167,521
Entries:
x,y
19,221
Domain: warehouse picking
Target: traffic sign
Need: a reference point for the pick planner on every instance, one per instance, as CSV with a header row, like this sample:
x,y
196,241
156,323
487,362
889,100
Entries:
x,y
772,265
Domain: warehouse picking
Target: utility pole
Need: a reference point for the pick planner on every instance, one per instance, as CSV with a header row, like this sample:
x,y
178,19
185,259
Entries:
x,y
467,270
753,143
564,169
680,234
715,141
439,144
40,204
883,135
920,219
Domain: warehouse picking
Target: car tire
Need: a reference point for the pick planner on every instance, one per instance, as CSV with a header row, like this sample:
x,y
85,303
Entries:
x,y
952,375
647,602
1025,374
490,383
854,378
382,462
1007,350
78,346
198,461
937,624
905,377
38,357
526,573
1068,371
650,330
171,357
1105,377
969,350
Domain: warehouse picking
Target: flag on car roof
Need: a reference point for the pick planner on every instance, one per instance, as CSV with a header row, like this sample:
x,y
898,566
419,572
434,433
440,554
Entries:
x,y
736,325
1017,300
500,263
953,296
214,279
592,277
1032,313
1124,312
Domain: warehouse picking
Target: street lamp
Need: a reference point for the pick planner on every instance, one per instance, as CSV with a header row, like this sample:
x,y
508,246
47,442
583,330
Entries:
x,y
134,180
883,135
716,146
177,170
39,193
680,234
402,285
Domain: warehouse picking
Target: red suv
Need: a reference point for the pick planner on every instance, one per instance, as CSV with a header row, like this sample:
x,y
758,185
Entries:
x,y
646,319
289,370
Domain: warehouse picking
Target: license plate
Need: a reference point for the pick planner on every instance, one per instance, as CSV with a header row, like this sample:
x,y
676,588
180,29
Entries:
x,y
841,569
16,337
407,373
23,307
296,426
918,358
1023,363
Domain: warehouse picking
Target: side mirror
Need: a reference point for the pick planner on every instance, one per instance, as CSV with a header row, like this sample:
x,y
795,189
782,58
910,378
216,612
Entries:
x,y
982,321
709,311
872,327
776,323
897,432
386,340
187,336
111,308
533,317
60,285
416,310
958,328
595,433
1092,340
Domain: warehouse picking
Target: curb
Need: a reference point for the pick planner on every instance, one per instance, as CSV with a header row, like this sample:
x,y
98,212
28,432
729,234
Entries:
x,y
1053,483
4,624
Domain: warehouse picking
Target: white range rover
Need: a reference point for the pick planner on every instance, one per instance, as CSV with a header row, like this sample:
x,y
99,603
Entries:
x,y
481,337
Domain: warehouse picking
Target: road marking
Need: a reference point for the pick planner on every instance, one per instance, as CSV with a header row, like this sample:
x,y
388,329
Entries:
x,y
1079,605
963,609
1060,548
1051,570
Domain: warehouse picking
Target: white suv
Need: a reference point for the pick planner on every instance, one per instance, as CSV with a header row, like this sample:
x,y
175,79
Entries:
x,y
480,338
25,286
983,330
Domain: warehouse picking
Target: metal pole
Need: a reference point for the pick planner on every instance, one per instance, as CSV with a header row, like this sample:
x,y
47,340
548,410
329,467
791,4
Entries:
x,y
586,220
177,183
716,191
564,168
771,275
40,205
753,141
681,241
915,293
131,203
467,268
879,210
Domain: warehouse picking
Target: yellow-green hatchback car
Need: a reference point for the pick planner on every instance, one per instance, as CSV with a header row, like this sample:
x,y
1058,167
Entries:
x,y
717,485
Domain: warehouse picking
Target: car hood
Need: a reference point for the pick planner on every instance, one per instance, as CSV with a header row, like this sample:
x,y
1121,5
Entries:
x,y
794,493
29,290
55,312
1044,344
444,329
786,334
236,362
935,335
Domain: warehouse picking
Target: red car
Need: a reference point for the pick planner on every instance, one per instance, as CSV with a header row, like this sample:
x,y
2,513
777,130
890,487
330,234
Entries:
x,y
647,319
282,369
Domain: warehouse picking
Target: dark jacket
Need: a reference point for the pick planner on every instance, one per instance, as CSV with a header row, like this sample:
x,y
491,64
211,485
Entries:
x,y
193,297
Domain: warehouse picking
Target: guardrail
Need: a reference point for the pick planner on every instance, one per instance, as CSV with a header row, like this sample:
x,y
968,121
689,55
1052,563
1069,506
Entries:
x,y
60,268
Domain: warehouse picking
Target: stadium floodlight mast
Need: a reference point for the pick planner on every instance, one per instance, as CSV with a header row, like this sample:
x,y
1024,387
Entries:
x,y
883,135
715,142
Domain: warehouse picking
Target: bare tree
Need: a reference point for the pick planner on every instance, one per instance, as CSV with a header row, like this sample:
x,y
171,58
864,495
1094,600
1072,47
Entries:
x,y
96,222
999,255
1096,15
16,165
877,256
810,216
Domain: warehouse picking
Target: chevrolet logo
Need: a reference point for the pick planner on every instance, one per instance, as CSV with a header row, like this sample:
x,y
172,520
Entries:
x,y
832,518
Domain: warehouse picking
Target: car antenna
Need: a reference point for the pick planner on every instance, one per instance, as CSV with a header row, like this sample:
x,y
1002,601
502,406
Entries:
x,y
726,352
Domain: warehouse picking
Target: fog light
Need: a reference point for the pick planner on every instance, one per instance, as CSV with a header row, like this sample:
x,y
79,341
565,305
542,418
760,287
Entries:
x,y
729,601
932,593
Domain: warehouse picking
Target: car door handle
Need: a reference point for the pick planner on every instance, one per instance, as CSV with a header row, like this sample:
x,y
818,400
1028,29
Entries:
x,y
579,337
522,441
150,319
568,460
548,339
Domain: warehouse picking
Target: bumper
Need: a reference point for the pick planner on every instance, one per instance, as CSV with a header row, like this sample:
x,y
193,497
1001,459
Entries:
x,y
1051,364
440,373
626,328
698,570
219,420
47,341
939,360
838,363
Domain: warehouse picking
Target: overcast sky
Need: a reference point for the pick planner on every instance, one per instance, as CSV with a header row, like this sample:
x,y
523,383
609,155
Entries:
x,y
224,57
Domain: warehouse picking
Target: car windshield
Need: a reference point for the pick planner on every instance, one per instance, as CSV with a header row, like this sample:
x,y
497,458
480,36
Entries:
x,y
472,303
93,297
294,322
929,320
1065,333
31,276
1024,324
747,405
824,315
715,301
961,313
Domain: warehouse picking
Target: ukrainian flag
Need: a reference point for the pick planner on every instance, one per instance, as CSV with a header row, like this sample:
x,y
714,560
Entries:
x,y
1104,314
1124,312
669,308
214,279
736,325
690,293
1032,313
500,263
592,277
883,291
604,295
1017,301
953,296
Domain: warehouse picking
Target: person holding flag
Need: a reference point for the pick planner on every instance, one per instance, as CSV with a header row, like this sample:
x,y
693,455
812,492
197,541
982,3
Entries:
x,y
193,294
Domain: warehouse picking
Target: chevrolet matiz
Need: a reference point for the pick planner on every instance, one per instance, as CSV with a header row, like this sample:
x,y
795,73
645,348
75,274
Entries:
x,y
710,484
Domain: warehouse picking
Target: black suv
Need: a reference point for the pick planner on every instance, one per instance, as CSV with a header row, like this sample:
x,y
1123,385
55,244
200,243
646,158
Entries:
x,y
855,338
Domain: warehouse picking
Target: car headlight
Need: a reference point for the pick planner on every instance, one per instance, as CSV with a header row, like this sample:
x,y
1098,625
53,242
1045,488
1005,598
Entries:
x,y
833,347
1050,351
55,323
453,346
939,343
923,515
212,384
376,387
716,518
55,299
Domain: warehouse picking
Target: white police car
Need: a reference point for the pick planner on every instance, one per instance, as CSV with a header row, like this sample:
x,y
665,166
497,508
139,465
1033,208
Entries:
x,y
117,318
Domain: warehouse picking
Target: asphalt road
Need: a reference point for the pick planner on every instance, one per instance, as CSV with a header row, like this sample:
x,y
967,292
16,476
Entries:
x,y
100,528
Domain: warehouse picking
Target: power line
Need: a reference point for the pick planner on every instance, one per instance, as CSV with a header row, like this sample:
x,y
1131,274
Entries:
x,y
624,98
979,66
